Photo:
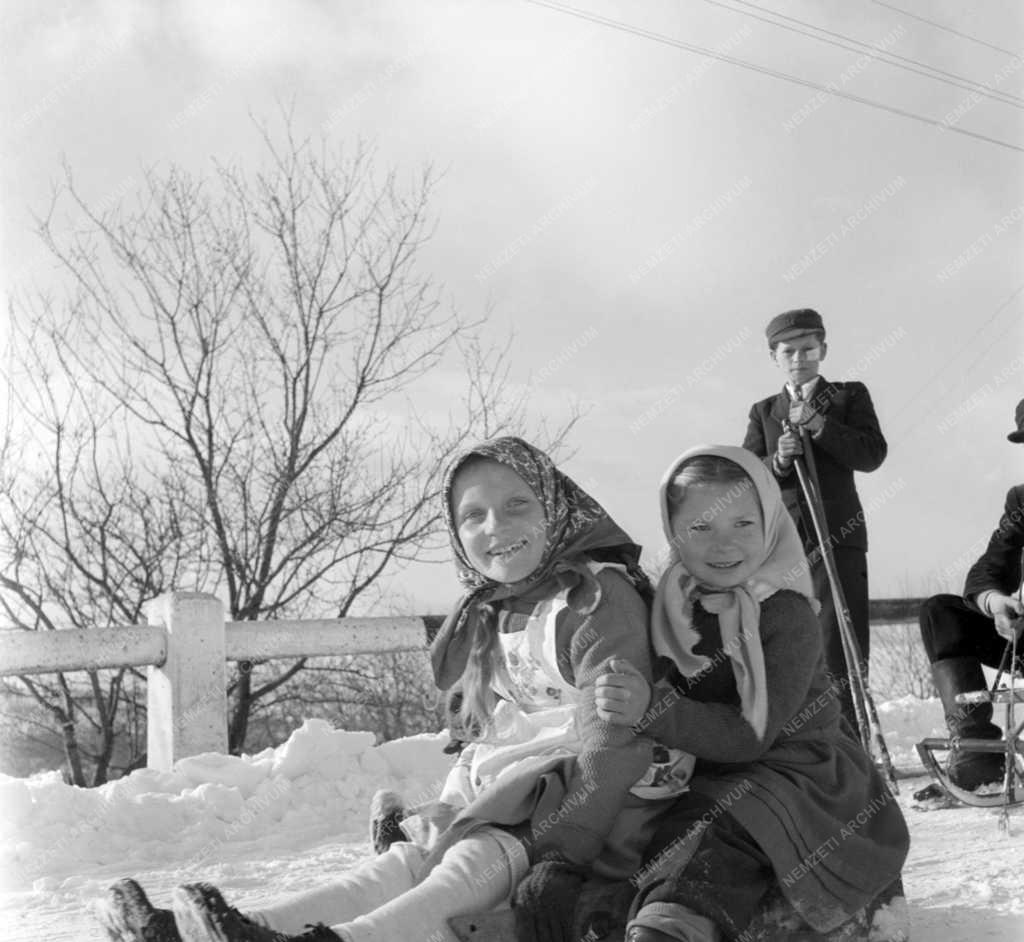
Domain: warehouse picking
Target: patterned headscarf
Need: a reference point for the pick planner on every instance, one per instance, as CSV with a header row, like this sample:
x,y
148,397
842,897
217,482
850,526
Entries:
x,y
578,528
783,566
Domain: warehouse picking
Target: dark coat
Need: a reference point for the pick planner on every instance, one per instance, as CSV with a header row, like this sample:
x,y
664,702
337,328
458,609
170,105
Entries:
x,y
850,441
999,567
807,792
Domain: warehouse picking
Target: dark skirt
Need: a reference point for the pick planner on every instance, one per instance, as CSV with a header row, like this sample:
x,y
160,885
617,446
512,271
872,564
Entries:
x,y
815,812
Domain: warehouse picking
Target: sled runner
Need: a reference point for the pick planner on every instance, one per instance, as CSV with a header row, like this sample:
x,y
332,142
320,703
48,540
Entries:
x,y
1011,746
601,917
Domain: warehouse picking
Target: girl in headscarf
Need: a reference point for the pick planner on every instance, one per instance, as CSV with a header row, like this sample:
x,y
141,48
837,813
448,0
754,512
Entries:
x,y
546,791
781,795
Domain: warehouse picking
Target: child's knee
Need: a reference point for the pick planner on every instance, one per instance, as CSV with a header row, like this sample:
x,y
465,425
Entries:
x,y
403,856
489,855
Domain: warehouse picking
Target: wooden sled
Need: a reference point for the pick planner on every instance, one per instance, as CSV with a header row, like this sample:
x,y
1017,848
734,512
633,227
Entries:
x,y
1011,746
602,911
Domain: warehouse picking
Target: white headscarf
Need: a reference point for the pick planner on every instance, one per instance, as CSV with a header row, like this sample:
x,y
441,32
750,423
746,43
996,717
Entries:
x,y
783,566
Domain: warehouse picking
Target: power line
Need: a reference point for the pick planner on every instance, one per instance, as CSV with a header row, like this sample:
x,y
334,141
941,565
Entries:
x,y
947,29
783,76
843,42
961,346
970,366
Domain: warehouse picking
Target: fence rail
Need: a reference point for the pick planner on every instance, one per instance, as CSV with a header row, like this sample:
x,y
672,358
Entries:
x,y
186,646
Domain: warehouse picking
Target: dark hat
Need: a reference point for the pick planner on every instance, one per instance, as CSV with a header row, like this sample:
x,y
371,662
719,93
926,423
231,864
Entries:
x,y
1018,417
793,324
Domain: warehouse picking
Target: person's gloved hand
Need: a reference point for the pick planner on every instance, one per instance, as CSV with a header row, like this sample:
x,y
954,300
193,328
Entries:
x,y
1006,611
788,447
803,413
544,903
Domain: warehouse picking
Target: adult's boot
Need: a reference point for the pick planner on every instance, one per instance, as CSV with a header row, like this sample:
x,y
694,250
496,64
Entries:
x,y
967,769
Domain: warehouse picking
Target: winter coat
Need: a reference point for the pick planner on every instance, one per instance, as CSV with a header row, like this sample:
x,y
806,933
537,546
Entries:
x,y
851,440
806,791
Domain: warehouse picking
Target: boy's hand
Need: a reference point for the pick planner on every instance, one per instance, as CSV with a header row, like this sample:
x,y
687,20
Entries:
x,y
1007,612
789,447
802,413
623,695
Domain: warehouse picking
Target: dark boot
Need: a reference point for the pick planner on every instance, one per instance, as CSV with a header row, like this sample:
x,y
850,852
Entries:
x,y
202,915
967,770
128,916
386,813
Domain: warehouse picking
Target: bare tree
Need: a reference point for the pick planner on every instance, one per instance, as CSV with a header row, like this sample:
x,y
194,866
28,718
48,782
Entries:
x,y
392,695
222,399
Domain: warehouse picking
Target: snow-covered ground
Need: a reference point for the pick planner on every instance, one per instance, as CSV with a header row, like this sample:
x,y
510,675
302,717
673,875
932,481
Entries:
x,y
279,821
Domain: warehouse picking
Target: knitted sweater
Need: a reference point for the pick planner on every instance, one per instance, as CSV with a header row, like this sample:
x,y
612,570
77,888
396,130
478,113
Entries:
x,y
702,714
567,806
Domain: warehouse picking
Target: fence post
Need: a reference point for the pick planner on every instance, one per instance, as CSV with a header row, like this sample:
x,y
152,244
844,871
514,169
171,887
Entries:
x,y
186,695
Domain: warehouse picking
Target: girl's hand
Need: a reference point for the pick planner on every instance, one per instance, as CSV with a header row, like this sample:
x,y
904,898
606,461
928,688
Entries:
x,y
623,695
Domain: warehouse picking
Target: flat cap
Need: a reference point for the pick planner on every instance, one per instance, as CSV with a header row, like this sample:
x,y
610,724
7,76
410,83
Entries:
x,y
793,324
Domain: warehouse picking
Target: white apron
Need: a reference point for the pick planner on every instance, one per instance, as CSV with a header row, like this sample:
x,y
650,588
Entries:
x,y
537,717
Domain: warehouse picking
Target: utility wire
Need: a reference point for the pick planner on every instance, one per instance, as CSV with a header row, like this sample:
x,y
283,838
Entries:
x,y
960,347
970,366
947,29
783,76
843,42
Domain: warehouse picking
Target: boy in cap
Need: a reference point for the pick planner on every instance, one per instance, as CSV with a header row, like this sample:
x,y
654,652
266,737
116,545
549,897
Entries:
x,y
844,435
960,633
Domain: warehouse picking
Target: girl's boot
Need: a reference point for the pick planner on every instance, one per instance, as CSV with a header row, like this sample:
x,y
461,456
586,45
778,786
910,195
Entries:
x,y
128,916
671,922
203,915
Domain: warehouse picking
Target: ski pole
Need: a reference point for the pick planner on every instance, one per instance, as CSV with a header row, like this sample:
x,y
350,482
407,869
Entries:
x,y
869,727
849,654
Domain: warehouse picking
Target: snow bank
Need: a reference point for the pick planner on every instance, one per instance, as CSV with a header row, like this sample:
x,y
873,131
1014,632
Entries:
x,y
316,785
276,823
905,722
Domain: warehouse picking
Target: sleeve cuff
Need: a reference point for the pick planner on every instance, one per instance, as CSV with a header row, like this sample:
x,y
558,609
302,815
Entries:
x,y
778,470
663,697
982,600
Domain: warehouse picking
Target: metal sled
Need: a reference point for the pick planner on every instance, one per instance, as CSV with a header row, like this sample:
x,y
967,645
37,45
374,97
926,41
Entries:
x,y
601,917
1011,746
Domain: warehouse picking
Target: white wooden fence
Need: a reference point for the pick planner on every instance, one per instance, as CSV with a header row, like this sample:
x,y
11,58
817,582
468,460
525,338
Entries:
x,y
186,646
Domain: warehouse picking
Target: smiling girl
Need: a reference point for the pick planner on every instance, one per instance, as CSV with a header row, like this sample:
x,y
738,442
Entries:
x,y
547,790
780,795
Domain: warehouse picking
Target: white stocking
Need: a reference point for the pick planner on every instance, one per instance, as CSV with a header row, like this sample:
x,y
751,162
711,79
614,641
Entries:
x,y
475,875
362,890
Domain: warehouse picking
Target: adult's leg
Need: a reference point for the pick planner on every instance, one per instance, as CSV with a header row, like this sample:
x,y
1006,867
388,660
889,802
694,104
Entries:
x,y
958,640
475,875
949,628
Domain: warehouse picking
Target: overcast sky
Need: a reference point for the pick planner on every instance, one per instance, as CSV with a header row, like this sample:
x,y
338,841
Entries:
x,y
634,211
